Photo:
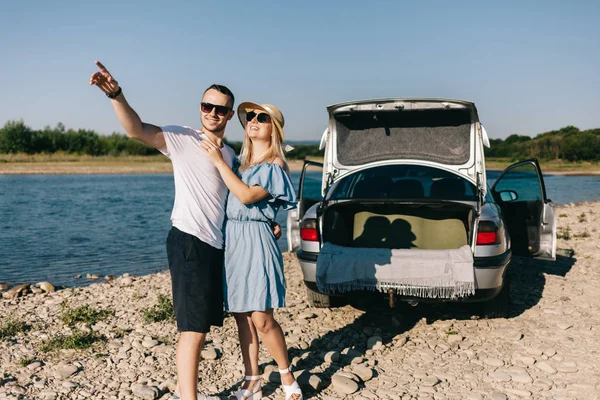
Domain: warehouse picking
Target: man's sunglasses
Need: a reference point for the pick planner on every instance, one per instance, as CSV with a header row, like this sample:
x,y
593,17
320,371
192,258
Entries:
x,y
220,110
262,117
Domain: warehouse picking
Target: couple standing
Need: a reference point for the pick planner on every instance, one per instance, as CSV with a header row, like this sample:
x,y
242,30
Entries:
x,y
253,283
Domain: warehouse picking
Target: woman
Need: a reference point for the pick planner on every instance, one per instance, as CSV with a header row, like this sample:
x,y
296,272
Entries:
x,y
254,282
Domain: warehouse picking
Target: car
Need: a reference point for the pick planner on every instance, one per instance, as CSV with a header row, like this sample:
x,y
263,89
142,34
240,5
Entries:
x,y
408,177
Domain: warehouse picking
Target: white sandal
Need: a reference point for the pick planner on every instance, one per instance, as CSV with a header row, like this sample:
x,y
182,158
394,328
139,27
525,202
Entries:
x,y
293,389
199,396
245,394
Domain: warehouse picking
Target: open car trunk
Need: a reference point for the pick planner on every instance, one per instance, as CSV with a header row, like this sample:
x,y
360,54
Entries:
x,y
417,250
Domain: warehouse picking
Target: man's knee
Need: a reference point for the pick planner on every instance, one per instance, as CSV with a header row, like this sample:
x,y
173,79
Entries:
x,y
192,338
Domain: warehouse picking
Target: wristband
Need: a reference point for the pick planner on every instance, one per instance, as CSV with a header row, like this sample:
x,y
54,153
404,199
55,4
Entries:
x,y
115,94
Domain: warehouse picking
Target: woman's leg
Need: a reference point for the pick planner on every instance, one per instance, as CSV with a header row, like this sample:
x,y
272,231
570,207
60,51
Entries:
x,y
249,345
272,336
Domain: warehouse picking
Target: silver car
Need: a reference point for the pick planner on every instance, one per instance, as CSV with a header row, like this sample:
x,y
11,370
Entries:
x,y
418,166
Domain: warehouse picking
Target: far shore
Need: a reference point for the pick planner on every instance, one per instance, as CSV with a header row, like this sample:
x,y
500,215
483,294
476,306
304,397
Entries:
x,y
87,165
84,165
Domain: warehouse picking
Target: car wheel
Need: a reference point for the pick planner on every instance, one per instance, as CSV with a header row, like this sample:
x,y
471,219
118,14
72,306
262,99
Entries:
x,y
499,306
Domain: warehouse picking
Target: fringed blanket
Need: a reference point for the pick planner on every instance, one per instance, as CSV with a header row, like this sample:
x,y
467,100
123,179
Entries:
x,y
411,272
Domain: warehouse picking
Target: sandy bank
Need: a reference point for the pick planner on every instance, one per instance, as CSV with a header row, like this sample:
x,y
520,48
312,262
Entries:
x,y
547,349
154,165
113,166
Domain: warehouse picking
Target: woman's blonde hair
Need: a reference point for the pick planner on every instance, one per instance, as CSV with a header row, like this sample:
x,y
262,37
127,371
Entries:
x,y
275,150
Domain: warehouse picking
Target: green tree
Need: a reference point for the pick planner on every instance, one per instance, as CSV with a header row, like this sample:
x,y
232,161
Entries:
x,y
16,137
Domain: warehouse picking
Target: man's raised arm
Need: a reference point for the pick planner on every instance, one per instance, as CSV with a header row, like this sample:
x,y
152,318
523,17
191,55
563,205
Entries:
x,y
150,135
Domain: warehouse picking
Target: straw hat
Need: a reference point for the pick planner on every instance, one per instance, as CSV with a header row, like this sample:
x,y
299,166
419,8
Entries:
x,y
276,115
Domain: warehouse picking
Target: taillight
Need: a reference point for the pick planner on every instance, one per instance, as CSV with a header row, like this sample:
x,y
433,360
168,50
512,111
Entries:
x,y
487,233
308,230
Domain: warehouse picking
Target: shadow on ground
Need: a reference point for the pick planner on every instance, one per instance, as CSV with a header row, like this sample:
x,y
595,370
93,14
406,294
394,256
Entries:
x,y
528,282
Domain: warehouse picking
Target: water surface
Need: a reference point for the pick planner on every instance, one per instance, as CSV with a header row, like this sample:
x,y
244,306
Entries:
x,y
54,227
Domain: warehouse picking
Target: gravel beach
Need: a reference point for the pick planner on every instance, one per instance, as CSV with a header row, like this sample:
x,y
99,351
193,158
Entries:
x,y
548,348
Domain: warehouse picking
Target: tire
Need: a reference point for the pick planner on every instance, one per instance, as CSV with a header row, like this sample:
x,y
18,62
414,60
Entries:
x,y
318,300
499,306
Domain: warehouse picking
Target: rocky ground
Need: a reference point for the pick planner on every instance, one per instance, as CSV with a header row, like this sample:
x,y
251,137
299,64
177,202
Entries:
x,y
548,348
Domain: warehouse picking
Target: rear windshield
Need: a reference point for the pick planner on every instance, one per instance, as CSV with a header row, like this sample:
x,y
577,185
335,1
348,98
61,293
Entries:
x,y
404,182
433,135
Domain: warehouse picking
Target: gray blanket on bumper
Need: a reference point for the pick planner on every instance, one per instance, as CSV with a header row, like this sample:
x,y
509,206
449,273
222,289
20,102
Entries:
x,y
410,272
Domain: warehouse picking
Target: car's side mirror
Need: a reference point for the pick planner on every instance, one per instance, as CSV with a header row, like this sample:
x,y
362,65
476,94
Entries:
x,y
508,195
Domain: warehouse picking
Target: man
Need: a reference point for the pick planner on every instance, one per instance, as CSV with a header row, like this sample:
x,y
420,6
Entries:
x,y
195,242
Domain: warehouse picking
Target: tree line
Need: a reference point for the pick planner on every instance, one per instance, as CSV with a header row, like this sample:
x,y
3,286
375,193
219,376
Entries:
x,y
568,143
16,137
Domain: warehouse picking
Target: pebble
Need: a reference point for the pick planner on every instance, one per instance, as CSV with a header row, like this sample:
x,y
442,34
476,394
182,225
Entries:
x,y
349,375
527,360
15,291
46,287
474,396
310,382
549,352
210,354
145,392
69,384
364,373
566,369
501,376
271,374
564,325
544,366
66,372
430,381
34,365
39,383
518,392
525,379
307,315
494,362
150,343
343,385
534,351
454,339
331,357
374,342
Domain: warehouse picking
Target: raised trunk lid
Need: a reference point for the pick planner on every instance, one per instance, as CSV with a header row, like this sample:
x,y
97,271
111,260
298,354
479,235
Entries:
x,y
440,133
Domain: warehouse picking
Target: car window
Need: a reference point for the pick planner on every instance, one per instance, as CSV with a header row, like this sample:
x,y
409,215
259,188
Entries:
x,y
312,184
404,182
522,180
488,195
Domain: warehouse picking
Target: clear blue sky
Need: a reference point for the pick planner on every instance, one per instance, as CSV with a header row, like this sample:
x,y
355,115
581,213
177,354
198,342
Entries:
x,y
529,66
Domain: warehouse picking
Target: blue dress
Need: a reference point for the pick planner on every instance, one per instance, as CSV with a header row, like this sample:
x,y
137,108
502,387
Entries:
x,y
254,279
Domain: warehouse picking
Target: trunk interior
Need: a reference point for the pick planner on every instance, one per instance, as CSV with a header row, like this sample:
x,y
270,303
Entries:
x,y
433,226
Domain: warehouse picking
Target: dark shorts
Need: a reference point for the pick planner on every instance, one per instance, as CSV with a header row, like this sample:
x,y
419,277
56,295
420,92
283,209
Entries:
x,y
196,280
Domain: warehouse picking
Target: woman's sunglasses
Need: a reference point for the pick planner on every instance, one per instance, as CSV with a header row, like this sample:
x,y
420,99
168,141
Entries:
x,y
220,110
263,118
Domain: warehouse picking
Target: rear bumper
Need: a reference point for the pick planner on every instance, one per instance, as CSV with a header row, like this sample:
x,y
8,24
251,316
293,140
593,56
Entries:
x,y
489,274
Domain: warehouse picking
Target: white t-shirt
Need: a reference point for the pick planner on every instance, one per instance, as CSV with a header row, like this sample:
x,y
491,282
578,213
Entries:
x,y
200,193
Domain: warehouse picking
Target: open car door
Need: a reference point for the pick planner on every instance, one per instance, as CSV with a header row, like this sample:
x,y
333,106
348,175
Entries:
x,y
309,193
529,215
